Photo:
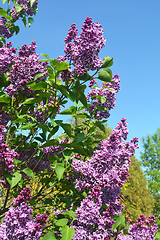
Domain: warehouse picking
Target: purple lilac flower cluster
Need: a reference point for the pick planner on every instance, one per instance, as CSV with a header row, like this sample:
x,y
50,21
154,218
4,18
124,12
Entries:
x,y
7,55
26,8
4,30
4,117
108,90
26,66
6,157
25,194
18,224
83,50
105,173
143,229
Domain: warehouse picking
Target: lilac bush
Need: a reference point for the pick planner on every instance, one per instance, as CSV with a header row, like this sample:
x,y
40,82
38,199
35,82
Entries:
x,y
78,176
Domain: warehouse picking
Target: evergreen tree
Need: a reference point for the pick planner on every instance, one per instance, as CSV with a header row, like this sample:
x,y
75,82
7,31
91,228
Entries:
x,y
138,199
151,162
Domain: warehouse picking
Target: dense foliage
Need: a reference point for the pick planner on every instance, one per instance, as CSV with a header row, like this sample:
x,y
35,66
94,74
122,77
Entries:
x,y
151,161
52,188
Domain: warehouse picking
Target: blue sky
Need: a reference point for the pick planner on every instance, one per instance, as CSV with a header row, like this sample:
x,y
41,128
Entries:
x,y
132,32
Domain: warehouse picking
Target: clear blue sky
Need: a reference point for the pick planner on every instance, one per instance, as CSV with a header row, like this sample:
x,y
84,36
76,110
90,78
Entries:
x,y
132,32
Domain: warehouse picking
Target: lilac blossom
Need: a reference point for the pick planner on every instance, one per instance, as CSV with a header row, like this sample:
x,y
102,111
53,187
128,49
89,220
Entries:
x,y
4,30
4,118
105,173
108,91
26,8
26,66
143,229
6,157
18,222
83,50
6,57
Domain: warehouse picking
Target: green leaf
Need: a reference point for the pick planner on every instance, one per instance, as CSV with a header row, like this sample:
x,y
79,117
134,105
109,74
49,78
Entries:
x,y
13,179
28,126
4,98
20,120
83,99
30,21
103,100
3,39
53,142
105,75
18,7
54,81
59,169
61,222
59,66
48,236
66,112
39,75
35,9
29,172
157,235
53,131
63,90
80,137
24,21
45,55
100,125
77,148
72,96
45,60
32,2
32,100
16,29
120,222
17,162
85,77
2,11
107,62
67,233
70,214
43,94
80,115
39,86
67,128
4,14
